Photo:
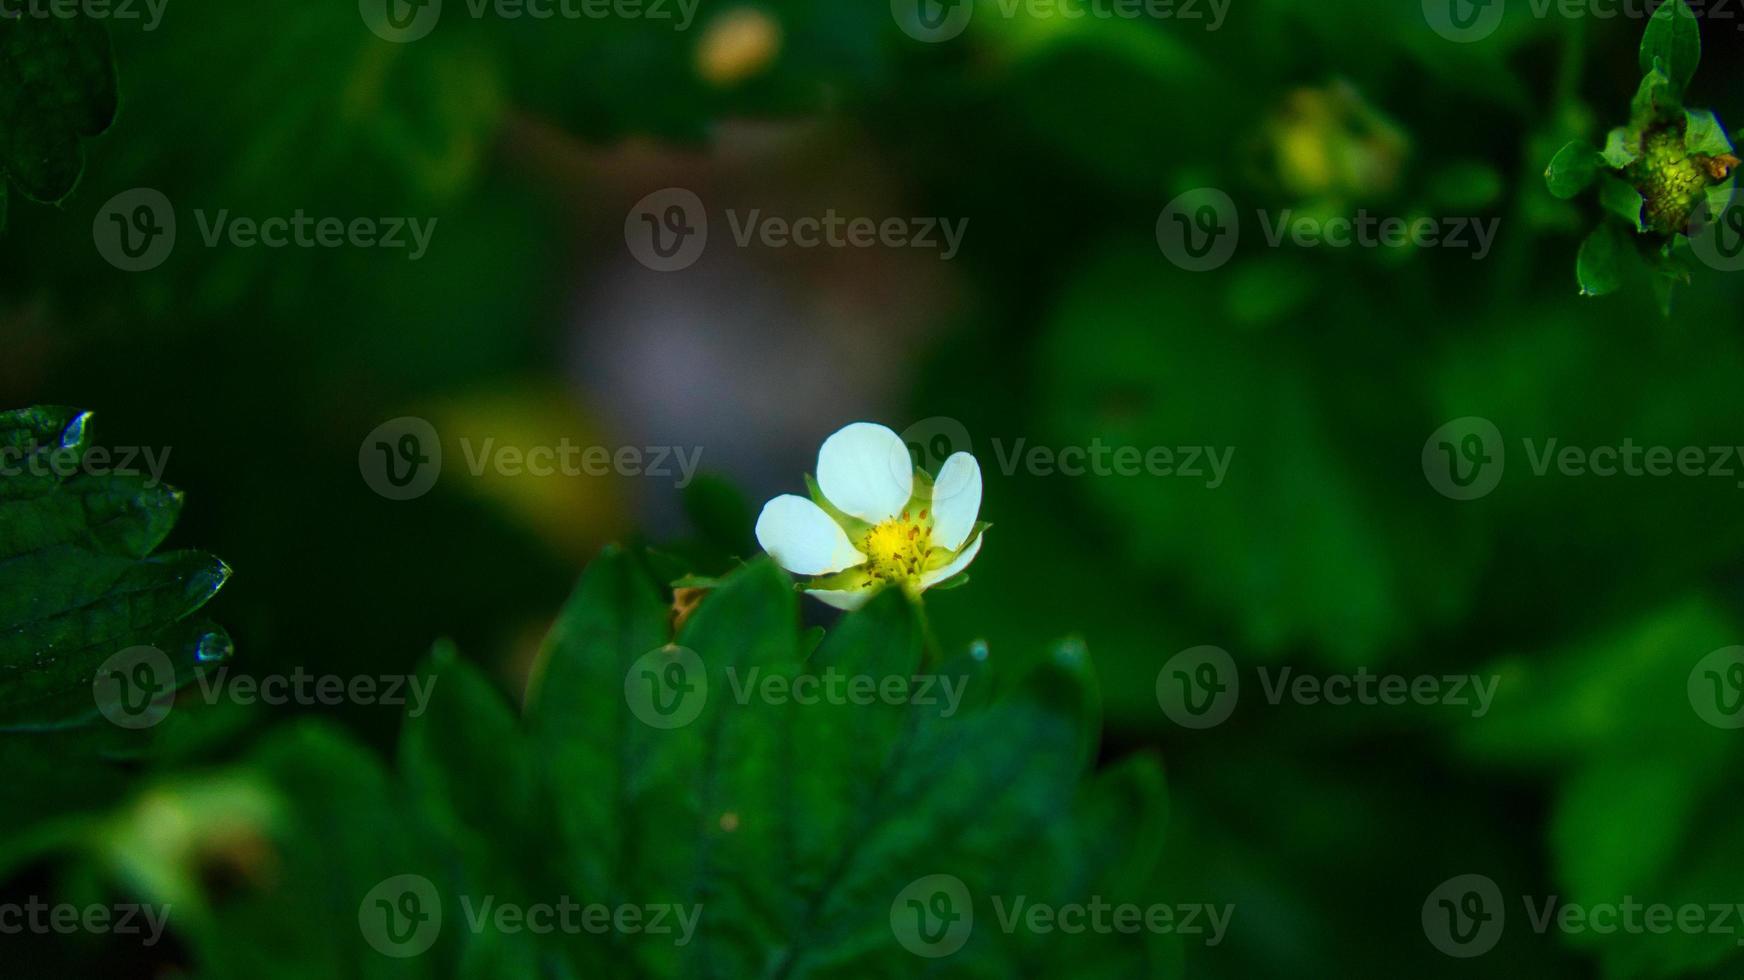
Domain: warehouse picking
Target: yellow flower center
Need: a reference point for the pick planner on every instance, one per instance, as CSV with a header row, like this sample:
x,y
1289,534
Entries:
x,y
897,550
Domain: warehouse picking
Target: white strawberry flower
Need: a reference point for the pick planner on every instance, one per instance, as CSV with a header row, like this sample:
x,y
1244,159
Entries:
x,y
874,519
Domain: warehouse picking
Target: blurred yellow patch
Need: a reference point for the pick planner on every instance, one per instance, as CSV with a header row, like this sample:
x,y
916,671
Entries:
x,y
738,45
506,446
1330,143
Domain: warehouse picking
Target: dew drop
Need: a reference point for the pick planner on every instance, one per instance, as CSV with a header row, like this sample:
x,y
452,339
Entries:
x,y
214,646
73,435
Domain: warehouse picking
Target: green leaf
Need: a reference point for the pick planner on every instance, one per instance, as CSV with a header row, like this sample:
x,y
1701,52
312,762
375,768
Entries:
x,y
465,757
579,717
1599,267
1572,170
1618,197
1672,43
1645,786
1656,101
1704,134
1334,575
57,87
78,580
1620,149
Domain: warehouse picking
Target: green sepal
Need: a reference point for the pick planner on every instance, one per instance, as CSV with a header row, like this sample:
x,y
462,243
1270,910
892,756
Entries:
x,y
1572,170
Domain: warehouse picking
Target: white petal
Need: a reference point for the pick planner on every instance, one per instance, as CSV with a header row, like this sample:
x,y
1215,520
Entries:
x,y
964,557
803,539
956,500
848,600
865,470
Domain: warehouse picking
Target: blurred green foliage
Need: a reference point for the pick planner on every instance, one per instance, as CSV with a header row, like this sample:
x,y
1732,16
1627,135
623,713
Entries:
x,y
1324,550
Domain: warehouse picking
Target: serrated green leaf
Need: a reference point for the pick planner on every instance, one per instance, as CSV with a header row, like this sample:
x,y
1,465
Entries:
x,y
1572,170
78,581
576,708
1672,43
57,88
